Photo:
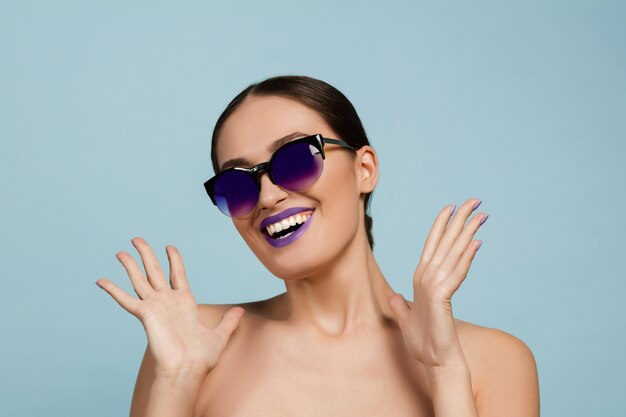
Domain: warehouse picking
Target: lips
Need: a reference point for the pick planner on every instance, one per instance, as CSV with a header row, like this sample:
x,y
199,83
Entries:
x,y
291,237
282,241
282,215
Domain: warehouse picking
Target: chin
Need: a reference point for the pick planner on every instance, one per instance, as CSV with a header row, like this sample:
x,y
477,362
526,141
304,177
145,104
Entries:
x,y
292,273
311,253
311,257
293,263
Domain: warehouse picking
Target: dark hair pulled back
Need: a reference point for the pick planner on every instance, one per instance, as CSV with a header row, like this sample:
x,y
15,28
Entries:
x,y
326,100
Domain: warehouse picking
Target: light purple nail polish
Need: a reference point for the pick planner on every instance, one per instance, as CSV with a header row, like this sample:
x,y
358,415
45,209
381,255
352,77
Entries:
x,y
476,205
453,209
479,245
484,219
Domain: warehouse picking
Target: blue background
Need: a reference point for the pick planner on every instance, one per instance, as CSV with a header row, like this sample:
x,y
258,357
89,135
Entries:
x,y
106,111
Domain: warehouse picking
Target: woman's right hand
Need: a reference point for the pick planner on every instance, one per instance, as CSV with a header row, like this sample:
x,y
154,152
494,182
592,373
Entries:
x,y
180,344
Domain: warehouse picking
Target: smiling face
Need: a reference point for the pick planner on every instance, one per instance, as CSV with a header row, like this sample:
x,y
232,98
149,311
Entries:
x,y
335,200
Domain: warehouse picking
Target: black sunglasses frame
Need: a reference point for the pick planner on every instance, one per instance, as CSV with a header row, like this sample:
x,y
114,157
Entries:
x,y
256,171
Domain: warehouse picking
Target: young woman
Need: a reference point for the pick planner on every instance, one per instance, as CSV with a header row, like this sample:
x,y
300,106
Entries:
x,y
294,171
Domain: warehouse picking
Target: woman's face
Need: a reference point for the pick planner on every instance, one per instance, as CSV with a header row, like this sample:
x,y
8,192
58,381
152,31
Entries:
x,y
334,202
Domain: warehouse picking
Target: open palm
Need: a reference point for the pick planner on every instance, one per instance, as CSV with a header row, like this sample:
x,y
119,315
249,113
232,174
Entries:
x,y
428,325
178,340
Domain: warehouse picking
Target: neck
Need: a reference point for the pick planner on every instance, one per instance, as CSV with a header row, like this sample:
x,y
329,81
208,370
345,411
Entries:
x,y
349,292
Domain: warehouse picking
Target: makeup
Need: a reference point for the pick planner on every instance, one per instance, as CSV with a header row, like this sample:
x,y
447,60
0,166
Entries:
x,y
283,215
284,241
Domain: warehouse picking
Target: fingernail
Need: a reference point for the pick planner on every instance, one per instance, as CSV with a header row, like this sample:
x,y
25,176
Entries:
x,y
480,242
484,219
476,205
453,209
98,284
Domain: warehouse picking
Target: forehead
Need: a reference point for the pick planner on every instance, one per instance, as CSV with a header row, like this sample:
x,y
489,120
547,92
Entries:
x,y
259,121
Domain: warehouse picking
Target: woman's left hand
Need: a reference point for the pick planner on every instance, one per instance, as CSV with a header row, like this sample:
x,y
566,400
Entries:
x,y
428,325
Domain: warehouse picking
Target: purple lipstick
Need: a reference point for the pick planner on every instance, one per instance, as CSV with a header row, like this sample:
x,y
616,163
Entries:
x,y
280,232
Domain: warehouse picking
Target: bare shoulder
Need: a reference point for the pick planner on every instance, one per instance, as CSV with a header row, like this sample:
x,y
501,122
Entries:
x,y
485,342
211,314
503,367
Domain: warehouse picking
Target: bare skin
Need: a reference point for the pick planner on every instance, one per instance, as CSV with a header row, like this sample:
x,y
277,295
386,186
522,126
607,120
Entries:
x,y
286,372
339,341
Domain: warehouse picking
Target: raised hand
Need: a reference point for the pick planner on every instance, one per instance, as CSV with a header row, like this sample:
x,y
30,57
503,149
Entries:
x,y
428,325
177,339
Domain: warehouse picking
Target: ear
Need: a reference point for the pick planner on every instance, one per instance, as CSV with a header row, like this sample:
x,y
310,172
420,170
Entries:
x,y
367,169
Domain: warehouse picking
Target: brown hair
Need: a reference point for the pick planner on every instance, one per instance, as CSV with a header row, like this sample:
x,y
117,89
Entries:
x,y
330,103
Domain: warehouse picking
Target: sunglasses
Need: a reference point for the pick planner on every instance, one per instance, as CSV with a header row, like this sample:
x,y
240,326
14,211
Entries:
x,y
295,166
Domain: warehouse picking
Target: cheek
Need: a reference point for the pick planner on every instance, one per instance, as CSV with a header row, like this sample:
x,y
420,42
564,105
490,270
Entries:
x,y
338,197
339,185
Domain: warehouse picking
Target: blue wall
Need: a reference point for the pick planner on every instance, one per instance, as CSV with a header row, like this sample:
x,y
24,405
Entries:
x,y
106,111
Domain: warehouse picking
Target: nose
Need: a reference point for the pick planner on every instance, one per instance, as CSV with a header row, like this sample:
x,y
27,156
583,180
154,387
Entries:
x,y
270,193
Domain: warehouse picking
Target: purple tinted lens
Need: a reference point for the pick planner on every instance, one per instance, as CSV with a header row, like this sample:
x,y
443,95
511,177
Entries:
x,y
236,193
297,167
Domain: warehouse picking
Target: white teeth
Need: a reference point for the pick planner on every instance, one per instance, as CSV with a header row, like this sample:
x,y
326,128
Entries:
x,y
287,223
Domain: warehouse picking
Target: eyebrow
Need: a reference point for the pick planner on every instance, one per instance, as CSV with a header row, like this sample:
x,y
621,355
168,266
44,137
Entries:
x,y
271,149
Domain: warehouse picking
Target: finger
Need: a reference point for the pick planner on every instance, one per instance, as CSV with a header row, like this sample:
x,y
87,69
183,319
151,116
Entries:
x,y
126,301
140,284
462,267
461,243
399,307
436,231
454,229
178,277
151,264
230,321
